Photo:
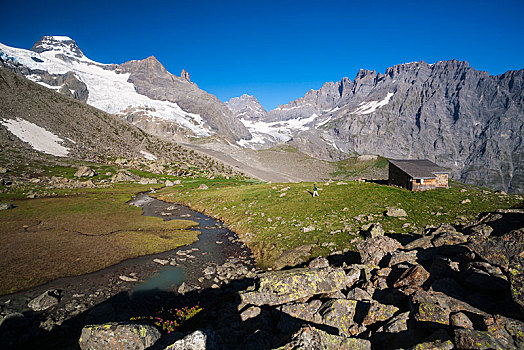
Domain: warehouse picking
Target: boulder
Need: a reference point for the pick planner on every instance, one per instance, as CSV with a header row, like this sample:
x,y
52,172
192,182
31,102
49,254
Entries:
x,y
412,277
203,187
358,294
124,176
85,171
431,314
449,238
460,320
397,324
45,300
372,250
378,312
339,313
169,183
293,257
311,338
293,315
198,340
396,212
372,230
280,287
319,263
118,336
500,250
250,312
473,339
6,206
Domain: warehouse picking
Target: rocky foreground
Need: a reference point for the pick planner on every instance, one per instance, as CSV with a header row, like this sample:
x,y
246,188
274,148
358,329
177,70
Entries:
x,y
450,288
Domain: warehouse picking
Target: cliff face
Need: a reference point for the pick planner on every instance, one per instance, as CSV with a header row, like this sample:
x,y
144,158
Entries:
x,y
460,118
447,112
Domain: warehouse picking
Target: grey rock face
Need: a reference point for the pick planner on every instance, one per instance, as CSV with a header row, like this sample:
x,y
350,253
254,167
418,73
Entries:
x,y
57,43
151,79
246,107
448,112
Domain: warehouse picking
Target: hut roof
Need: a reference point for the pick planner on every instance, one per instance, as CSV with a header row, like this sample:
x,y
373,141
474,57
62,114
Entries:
x,y
419,168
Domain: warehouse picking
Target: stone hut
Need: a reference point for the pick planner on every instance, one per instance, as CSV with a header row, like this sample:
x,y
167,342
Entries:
x,y
417,174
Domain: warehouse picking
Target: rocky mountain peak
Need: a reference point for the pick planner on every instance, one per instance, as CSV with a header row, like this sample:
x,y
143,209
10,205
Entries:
x,y
61,44
185,75
246,107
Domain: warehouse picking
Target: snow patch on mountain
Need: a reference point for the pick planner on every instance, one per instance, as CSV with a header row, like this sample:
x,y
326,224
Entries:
x,y
148,155
39,138
372,106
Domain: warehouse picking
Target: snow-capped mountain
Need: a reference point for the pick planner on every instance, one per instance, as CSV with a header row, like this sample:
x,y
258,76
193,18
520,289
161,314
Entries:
x,y
448,112
143,92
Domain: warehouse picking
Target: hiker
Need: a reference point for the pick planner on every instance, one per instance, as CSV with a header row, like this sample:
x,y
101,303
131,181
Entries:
x,y
315,193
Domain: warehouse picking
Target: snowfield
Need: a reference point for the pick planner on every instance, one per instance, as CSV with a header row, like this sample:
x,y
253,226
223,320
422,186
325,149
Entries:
x,y
280,131
39,138
108,90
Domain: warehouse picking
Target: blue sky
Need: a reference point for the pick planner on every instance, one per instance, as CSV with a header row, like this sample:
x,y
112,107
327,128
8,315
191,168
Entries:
x,y
276,50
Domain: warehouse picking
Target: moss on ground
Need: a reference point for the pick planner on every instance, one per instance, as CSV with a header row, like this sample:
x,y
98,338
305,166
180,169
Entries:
x,y
273,218
78,232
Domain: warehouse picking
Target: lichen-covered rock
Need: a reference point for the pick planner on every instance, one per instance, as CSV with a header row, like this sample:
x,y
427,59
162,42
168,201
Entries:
x,y
310,338
460,320
431,313
378,312
303,311
415,276
372,230
293,315
45,300
449,238
501,250
401,256
280,287
372,250
472,339
118,336
339,313
358,294
422,242
508,331
516,280
434,345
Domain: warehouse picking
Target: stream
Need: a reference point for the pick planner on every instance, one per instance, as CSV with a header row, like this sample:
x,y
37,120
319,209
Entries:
x,y
131,286
215,244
